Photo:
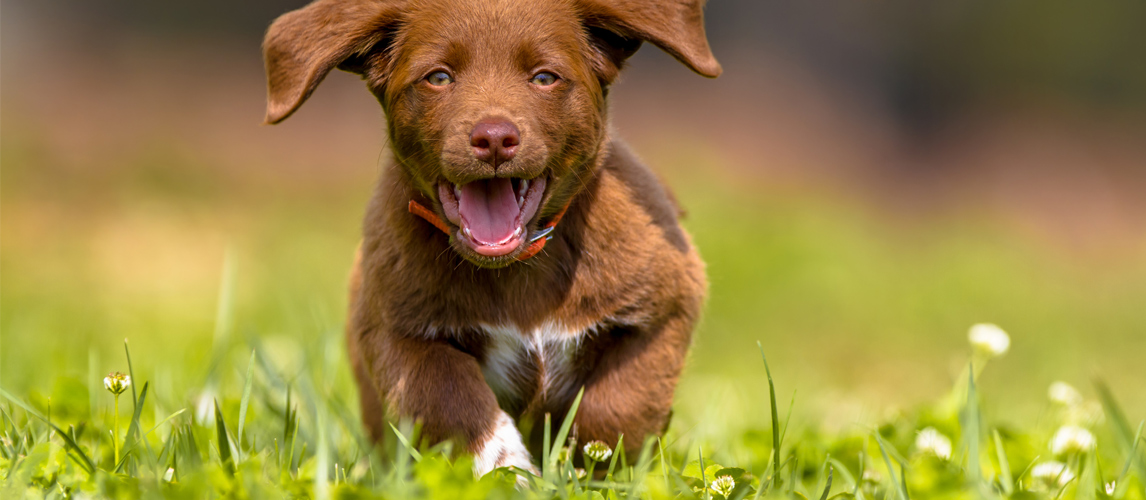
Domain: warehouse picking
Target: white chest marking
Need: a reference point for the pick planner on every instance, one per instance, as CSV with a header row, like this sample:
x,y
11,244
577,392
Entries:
x,y
511,352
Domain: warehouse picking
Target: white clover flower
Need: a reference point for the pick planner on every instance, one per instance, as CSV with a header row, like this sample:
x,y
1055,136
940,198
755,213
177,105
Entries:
x,y
932,441
989,339
598,451
1110,487
1070,439
723,486
116,382
1051,474
1064,394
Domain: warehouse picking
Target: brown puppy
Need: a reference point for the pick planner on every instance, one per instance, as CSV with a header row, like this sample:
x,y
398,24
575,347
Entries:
x,y
499,133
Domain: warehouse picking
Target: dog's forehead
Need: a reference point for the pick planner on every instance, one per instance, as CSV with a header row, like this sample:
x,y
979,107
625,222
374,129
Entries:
x,y
491,24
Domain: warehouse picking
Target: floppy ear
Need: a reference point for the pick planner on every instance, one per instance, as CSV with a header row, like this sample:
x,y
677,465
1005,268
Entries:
x,y
302,46
617,28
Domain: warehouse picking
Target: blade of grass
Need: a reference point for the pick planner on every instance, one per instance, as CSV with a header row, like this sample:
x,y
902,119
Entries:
x,y
675,475
1019,478
137,401
301,455
1101,481
703,477
535,482
775,416
568,471
823,471
788,418
769,474
545,448
133,427
900,490
640,469
243,403
131,372
293,439
127,449
971,422
85,461
622,461
764,485
175,469
9,442
791,460
192,445
167,453
1088,479
827,488
1121,426
846,474
406,443
793,484
613,461
399,466
1064,485
224,442
903,480
1129,461
1004,465
563,432
288,418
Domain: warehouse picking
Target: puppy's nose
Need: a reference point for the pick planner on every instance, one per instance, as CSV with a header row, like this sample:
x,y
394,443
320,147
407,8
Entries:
x,y
495,141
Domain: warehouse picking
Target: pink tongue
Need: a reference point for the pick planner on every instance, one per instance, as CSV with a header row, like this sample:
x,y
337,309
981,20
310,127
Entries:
x,y
489,210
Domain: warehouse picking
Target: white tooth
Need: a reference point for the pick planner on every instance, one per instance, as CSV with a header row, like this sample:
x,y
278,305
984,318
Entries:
x,y
457,191
466,231
517,232
524,187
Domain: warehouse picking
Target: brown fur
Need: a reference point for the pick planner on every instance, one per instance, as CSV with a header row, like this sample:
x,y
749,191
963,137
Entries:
x,y
619,263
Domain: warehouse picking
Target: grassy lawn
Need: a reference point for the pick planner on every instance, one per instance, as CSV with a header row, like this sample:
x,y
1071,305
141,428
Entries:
x,y
229,292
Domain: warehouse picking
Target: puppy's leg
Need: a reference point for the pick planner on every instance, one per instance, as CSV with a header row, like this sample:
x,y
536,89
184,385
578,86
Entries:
x,y
631,389
442,387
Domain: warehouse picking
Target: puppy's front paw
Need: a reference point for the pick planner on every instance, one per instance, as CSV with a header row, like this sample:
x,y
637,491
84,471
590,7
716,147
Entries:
x,y
503,448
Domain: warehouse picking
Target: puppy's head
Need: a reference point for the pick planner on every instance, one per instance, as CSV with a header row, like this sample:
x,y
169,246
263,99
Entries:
x,y
496,108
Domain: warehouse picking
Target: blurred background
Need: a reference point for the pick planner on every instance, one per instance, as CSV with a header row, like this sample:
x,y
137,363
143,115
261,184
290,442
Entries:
x,y
866,181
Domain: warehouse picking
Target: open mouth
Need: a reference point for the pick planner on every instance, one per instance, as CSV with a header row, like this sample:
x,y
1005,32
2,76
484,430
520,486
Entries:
x,y
491,214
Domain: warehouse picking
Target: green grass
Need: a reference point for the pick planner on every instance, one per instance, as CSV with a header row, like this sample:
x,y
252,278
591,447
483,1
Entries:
x,y
269,431
231,290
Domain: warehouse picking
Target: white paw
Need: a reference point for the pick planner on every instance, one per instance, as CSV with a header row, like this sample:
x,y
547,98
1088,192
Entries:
x,y
503,448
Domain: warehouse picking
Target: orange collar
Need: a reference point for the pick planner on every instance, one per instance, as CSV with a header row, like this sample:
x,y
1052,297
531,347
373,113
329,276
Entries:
x,y
536,243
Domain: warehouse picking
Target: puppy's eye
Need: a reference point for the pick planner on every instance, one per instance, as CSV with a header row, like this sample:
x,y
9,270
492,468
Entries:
x,y
439,79
543,79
